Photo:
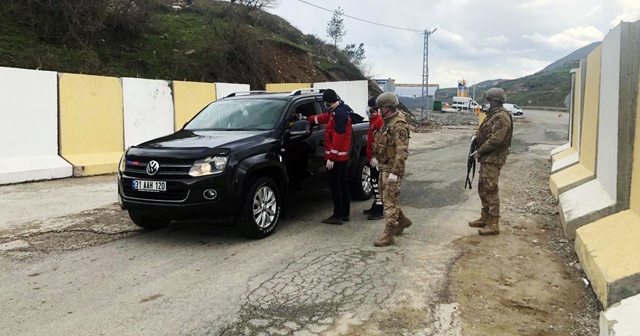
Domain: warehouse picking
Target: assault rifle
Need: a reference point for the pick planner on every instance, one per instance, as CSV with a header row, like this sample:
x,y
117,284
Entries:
x,y
471,162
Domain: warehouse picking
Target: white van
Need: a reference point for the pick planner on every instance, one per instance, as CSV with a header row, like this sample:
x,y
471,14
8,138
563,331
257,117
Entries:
x,y
514,109
464,104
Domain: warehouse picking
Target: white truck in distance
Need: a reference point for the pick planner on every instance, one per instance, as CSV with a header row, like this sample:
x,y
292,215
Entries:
x,y
464,104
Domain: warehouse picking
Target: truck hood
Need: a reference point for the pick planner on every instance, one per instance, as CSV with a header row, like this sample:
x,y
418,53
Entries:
x,y
197,144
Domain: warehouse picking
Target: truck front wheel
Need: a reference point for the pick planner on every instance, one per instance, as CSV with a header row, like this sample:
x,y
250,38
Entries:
x,y
261,208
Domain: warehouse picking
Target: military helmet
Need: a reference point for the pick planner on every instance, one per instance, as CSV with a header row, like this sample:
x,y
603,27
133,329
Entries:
x,y
496,94
387,99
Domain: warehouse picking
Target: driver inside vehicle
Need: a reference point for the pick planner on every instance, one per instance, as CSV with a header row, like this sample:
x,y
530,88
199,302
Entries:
x,y
296,114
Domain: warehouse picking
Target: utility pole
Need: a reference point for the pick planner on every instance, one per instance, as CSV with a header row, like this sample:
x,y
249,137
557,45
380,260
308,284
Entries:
x,y
425,75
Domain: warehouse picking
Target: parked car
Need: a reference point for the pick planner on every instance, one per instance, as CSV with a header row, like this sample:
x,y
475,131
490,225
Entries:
x,y
240,157
514,109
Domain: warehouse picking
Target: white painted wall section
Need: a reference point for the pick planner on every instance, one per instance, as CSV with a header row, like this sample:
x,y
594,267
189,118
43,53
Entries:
x,y
29,127
148,110
561,148
584,200
353,93
607,164
565,162
621,319
224,89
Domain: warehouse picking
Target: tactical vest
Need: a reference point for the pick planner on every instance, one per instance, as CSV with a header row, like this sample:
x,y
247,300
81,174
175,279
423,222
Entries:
x,y
384,143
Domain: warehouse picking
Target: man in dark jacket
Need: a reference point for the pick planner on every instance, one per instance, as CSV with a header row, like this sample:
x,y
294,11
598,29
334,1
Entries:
x,y
337,144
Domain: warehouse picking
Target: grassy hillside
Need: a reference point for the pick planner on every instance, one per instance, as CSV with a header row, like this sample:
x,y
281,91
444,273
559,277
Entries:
x,y
211,41
546,88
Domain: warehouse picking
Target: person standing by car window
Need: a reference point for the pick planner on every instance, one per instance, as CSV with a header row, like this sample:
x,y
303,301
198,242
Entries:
x,y
375,124
391,150
494,142
337,143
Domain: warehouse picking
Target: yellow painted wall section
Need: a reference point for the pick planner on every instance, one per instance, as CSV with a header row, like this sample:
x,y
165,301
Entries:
x,y
568,178
634,202
189,98
286,87
91,123
588,139
563,154
606,248
577,106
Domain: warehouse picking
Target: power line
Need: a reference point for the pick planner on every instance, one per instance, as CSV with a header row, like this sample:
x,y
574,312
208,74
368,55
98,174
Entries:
x,y
370,22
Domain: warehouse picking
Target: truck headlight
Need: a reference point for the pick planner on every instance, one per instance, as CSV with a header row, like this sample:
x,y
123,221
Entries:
x,y
208,166
123,163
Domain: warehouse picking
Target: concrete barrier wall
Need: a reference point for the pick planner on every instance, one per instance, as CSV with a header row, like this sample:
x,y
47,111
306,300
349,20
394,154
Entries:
x,y
148,110
605,212
224,89
609,192
29,127
189,98
585,170
568,156
353,93
286,87
91,123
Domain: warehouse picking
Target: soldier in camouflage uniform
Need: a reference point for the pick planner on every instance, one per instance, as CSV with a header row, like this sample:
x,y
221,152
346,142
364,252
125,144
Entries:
x,y
494,143
390,151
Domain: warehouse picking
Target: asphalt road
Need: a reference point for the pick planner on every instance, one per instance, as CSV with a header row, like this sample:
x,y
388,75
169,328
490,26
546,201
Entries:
x,y
200,278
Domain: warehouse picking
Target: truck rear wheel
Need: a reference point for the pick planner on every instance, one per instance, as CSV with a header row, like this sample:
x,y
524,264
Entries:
x,y
147,222
360,186
261,209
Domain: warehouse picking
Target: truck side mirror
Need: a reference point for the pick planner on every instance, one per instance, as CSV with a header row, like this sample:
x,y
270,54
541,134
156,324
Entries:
x,y
300,128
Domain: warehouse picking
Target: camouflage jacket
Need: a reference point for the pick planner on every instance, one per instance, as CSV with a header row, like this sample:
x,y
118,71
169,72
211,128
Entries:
x,y
391,144
494,136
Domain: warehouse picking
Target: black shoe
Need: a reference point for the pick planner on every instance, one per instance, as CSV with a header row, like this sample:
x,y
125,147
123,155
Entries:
x,y
375,215
367,211
346,219
333,220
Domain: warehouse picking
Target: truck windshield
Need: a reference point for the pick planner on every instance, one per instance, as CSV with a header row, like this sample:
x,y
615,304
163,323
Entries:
x,y
238,115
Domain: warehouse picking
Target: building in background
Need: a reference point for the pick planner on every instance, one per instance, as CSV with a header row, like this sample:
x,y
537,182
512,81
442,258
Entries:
x,y
409,94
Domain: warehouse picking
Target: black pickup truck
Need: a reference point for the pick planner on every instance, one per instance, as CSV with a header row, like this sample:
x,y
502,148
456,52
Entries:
x,y
239,158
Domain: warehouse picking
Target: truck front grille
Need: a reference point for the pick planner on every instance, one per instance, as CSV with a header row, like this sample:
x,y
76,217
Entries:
x,y
169,168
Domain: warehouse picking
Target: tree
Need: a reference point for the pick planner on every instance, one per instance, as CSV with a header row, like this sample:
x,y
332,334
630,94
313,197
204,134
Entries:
x,y
335,27
355,55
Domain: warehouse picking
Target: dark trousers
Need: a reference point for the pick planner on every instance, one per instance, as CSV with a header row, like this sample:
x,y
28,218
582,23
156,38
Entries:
x,y
339,189
377,200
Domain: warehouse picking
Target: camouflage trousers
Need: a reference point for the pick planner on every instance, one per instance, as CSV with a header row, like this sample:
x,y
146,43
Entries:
x,y
390,193
488,188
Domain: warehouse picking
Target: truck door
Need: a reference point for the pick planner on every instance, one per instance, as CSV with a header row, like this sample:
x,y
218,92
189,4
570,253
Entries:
x,y
299,155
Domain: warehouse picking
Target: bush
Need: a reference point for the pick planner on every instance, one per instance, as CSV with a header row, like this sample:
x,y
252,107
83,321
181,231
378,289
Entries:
x,y
62,21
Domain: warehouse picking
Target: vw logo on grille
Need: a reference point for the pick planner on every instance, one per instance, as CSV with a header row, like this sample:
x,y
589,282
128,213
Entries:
x,y
153,167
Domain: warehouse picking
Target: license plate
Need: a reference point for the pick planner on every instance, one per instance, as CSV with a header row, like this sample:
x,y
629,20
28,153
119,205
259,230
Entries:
x,y
153,186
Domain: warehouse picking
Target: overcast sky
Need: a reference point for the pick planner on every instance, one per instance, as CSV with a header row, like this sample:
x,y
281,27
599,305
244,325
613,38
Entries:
x,y
475,40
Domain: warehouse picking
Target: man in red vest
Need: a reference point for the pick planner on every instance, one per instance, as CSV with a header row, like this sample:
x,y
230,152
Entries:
x,y
337,144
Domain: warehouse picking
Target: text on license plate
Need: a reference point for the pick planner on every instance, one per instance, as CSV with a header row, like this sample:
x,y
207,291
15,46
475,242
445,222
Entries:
x,y
155,186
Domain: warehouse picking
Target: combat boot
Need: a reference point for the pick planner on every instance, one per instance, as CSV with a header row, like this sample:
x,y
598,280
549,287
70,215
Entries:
x,y
387,238
480,222
492,227
403,223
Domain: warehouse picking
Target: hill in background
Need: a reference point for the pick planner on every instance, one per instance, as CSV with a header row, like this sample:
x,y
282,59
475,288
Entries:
x,y
208,41
548,87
